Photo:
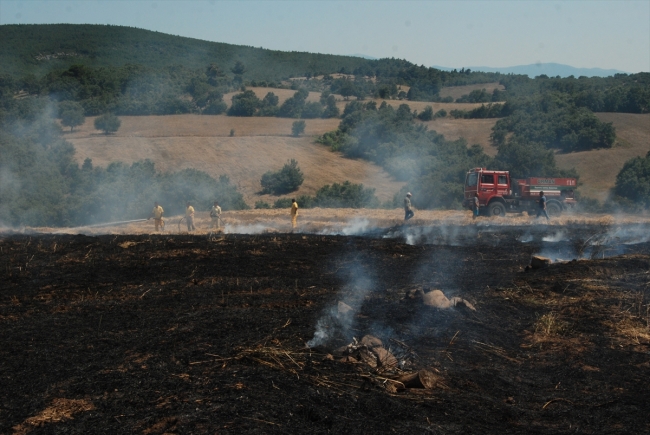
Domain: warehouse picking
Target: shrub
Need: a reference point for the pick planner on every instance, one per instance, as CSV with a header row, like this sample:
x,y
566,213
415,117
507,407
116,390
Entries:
x,y
426,114
262,205
283,203
297,128
633,181
286,180
108,123
346,195
215,108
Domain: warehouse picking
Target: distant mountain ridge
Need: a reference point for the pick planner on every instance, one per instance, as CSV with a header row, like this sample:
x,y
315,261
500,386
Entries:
x,y
549,69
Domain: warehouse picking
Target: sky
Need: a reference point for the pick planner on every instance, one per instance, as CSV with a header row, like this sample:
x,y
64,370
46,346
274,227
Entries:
x,y
581,33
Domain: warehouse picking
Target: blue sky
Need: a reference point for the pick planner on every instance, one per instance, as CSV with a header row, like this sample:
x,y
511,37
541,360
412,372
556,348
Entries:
x,y
584,34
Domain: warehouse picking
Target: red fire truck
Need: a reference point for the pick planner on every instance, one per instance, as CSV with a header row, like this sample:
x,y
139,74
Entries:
x,y
498,194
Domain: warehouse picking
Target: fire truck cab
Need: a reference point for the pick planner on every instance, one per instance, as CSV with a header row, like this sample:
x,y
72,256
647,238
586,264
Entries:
x,y
499,194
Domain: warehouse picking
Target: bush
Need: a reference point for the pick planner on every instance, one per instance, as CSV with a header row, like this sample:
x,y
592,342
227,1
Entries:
x,y
244,104
297,128
108,123
633,181
286,180
312,110
426,114
262,205
346,195
283,203
215,108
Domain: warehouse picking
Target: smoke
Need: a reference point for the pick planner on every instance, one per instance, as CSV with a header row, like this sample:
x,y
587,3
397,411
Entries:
x,y
337,320
356,226
247,228
558,236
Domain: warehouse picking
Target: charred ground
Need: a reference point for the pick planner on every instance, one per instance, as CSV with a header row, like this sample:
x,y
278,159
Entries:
x,y
187,334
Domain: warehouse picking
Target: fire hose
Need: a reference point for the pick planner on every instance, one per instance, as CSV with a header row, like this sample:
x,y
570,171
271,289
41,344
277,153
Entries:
x,y
183,218
108,224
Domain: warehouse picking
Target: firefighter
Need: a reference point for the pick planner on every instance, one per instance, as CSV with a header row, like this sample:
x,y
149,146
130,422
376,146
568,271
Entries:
x,y
542,206
189,217
408,209
294,214
215,215
475,206
157,215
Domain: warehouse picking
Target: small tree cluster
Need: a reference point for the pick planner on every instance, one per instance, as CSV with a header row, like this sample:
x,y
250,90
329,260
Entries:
x,y
286,180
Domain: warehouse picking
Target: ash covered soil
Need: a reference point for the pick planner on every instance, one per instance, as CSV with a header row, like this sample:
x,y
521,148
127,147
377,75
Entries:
x,y
188,334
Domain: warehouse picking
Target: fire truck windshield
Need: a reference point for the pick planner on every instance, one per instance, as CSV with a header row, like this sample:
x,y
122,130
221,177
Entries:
x,y
472,178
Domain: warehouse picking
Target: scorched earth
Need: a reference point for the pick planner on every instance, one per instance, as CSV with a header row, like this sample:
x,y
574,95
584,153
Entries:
x,y
176,333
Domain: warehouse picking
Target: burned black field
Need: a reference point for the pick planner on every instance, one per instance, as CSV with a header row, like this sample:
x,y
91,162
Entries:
x,y
193,334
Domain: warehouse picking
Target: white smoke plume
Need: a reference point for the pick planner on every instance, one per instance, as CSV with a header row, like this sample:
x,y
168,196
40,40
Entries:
x,y
335,323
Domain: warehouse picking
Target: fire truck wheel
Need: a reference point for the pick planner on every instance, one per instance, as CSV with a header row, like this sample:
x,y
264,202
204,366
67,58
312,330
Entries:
x,y
497,209
553,208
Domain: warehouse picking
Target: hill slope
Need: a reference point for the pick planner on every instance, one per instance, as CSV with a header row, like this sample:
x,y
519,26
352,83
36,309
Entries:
x,y
36,49
598,168
259,145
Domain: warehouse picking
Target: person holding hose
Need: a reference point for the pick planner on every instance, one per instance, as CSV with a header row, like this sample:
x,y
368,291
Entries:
x,y
215,215
189,216
157,215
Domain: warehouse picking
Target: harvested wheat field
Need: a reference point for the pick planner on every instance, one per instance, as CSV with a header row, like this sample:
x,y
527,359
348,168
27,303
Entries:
x,y
342,221
315,333
191,141
474,131
284,94
458,91
598,168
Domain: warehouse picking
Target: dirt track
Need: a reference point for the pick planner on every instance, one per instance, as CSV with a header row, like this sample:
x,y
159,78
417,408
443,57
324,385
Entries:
x,y
196,334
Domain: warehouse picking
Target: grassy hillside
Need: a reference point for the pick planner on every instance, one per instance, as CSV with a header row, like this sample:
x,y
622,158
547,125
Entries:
x,y
202,142
598,168
36,49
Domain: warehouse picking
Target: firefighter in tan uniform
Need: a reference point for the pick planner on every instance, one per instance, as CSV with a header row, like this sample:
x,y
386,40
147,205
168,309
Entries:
x,y
408,208
294,214
215,216
189,217
157,215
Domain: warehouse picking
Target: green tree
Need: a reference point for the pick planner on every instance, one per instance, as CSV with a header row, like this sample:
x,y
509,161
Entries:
x,y
286,180
71,114
297,128
633,181
244,104
330,111
292,107
426,114
108,123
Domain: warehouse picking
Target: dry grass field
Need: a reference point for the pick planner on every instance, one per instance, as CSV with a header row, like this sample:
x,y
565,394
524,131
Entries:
x,y
351,222
202,142
284,94
598,168
458,91
261,144
475,131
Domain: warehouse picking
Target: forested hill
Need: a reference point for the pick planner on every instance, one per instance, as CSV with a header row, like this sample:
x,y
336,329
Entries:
x,y
39,48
